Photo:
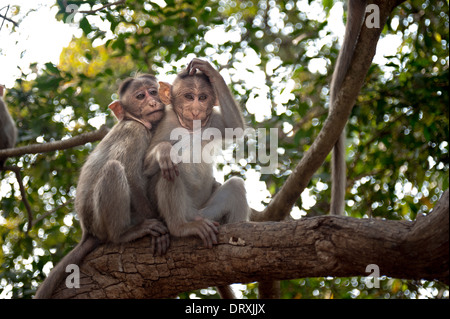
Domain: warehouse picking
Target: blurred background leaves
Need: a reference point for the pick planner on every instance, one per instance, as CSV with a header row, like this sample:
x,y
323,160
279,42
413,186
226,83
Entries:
x,y
277,57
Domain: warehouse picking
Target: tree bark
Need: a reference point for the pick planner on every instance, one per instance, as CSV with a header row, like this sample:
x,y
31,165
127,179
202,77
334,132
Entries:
x,y
310,247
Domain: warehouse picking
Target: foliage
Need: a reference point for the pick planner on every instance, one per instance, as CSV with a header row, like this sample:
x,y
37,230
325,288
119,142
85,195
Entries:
x,y
398,132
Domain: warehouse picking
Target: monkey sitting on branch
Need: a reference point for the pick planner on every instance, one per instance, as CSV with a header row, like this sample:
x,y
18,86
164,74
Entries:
x,y
111,198
188,197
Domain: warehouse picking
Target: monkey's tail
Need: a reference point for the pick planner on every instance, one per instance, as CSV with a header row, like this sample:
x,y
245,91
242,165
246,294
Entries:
x,y
339,177
58,273
226,292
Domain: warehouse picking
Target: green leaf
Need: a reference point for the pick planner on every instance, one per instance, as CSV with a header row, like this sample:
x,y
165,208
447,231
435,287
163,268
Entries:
x,y
85,26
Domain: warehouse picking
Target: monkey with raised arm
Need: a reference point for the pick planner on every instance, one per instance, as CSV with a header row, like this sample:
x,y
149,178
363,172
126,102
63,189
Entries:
x,y
111,198
8,130
355,18
189,199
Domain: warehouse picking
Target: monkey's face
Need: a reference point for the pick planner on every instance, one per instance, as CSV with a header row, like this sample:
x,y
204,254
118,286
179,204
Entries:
x,y
193,100
143,102
150,105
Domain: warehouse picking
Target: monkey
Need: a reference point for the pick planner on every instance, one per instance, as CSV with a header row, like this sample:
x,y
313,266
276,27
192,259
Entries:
x,y
111,199
8,130
188,198
191,201
355,18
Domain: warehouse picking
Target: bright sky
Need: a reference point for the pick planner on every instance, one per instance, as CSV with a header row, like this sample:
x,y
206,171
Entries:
x,y
40,38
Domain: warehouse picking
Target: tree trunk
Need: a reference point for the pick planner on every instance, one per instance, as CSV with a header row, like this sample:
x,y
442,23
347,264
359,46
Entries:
x,y
310,247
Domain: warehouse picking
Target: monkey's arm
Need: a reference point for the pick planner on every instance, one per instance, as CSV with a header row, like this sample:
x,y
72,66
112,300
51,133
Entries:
x,y
139,198
135,139
159,158
151,165
158,153
231,115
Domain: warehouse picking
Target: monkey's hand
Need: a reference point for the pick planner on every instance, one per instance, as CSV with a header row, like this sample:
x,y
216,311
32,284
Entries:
x,y
206,68
204,228
160,236
168,168
160,244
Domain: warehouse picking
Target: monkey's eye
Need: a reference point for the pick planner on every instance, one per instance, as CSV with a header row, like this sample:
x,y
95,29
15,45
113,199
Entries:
x,y
189,97
153,92
202,97
140,96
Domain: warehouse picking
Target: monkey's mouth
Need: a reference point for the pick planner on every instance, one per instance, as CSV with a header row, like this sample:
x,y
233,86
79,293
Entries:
x,y
188,123
155,111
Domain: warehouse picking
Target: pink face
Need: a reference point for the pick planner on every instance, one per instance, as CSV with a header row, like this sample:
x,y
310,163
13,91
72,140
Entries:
x,y
142,101
193,99
148,103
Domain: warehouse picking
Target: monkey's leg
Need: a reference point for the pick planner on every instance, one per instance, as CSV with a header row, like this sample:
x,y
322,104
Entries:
x,y
112,219
228,203
111,197
179,213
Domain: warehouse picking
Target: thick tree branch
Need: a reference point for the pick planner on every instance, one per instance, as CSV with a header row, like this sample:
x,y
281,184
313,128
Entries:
x,y
57,145
311,247
282,202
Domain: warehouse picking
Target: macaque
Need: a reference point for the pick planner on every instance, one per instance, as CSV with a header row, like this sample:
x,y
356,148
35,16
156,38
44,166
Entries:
x,y
355,18
8,130
111,198
188,198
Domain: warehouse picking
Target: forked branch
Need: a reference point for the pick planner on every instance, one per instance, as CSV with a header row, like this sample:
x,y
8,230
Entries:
x,y
283,201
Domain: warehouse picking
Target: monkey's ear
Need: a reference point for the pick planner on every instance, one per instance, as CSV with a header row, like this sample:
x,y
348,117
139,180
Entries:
x,y
165,92
117,109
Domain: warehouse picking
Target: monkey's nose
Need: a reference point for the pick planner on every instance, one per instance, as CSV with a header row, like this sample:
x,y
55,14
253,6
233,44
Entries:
x,y
195,114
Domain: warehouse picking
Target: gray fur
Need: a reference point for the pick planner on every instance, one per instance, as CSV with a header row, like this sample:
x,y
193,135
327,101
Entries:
x,y
111,199
8,130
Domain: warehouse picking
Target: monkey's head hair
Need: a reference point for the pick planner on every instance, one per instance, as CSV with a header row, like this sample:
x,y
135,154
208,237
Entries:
x,y
124,86
198,79
183,74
